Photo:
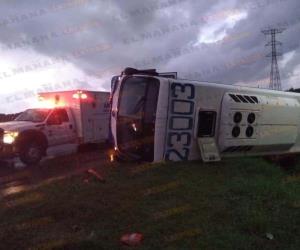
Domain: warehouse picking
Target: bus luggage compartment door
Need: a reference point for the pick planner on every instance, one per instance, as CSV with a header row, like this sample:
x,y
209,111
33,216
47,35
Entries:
x,y
206,135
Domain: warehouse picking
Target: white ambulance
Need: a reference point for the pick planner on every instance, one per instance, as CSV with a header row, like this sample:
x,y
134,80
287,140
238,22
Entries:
x,y
158,117
68,117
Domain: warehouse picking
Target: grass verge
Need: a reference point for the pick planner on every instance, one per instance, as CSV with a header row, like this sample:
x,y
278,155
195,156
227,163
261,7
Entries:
x,y
236,204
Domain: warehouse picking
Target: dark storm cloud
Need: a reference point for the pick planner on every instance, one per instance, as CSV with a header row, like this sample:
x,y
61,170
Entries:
x,y
154,34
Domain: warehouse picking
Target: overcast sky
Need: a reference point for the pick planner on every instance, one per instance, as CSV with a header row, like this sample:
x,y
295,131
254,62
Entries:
x,y
48,45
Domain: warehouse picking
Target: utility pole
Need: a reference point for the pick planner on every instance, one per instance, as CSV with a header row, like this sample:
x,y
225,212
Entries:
x,y
275,82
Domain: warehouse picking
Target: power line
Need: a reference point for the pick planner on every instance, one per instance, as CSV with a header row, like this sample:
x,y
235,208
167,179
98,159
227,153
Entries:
x,y
275,81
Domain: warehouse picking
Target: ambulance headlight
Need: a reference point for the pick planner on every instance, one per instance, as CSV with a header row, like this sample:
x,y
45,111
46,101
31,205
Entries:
x,y
10,137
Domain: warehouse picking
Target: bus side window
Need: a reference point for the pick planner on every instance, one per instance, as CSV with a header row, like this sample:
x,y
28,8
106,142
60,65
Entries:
x,y
207,123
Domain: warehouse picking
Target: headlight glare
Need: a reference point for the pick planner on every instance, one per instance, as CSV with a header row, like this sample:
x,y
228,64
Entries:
x,y
10,137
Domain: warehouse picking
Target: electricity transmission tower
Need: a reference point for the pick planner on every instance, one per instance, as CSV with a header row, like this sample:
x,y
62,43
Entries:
x,y
275,82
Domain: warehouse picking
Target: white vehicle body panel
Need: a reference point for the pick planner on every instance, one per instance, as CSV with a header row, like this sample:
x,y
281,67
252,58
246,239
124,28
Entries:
x,y
90,117
276,128
17,126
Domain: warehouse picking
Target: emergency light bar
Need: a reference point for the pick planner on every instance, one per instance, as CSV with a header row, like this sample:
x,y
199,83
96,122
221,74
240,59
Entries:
x,y
80,95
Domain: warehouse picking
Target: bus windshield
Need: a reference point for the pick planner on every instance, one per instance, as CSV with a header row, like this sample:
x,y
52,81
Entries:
x,y
136,117
133,98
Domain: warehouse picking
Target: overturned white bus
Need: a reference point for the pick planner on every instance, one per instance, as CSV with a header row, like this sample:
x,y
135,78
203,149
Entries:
x,y
158,117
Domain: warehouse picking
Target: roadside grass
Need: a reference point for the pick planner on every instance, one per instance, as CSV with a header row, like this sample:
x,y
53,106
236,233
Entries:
x,y
236,204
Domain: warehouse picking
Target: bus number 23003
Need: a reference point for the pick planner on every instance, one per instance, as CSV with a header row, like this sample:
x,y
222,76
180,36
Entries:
x,y
180,122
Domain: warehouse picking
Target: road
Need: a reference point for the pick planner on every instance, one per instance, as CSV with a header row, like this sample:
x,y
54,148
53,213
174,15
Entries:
x,y
15,179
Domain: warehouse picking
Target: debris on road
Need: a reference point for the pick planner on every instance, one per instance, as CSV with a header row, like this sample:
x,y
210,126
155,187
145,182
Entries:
x,y
133,239
96,174
270,236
